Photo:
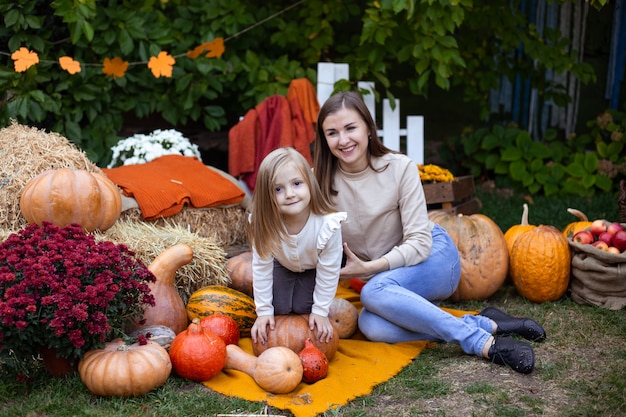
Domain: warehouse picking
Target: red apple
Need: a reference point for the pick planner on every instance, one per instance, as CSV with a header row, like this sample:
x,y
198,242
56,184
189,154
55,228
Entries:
x,y
614,228
584,237
619,240
606,237
613,249
597,226
600,244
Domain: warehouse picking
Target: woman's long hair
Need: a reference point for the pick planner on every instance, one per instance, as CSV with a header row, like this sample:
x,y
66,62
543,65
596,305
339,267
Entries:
x,y
266,230
324,161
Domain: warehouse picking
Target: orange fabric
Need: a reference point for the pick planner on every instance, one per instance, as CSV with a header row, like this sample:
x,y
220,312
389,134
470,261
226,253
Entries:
x,y
358,366
163,186
275,122
302,90
241,142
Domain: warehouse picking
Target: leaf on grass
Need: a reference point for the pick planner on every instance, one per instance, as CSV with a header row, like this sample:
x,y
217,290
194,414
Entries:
x,y
161,65
214,49
69,65
24,59
115,67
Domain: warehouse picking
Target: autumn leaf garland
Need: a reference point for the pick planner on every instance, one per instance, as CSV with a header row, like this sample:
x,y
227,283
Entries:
x,y
161,65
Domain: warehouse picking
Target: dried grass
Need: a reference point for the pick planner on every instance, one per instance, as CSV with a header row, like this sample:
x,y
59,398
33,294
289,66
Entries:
x,y
225,225
26,152
208,266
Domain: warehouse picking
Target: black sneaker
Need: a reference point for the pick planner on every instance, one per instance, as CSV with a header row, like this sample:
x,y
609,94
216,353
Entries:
x,y
516,354
527,328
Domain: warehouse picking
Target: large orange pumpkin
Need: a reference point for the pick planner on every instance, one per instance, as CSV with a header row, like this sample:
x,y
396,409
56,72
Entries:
x,y
65,196
540,264
483,252
291,331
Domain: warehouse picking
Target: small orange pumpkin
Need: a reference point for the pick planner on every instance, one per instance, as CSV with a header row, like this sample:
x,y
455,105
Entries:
x,y
344,317
540,264
222,325
197,354
575,227
239,269
482,250
314,363
65,196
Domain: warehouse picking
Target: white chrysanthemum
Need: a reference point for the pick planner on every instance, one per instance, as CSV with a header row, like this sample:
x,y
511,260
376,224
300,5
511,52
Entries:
x,y
140,148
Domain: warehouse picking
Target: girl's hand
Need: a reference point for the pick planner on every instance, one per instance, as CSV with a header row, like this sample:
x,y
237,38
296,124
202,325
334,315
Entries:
x,y
322,327
259,329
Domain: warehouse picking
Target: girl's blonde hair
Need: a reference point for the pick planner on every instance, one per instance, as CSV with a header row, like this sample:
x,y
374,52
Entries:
x,y
266,230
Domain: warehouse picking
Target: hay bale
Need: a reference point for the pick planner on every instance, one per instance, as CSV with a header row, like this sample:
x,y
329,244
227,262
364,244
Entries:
x,y
4,234
26,152
147,240
226,225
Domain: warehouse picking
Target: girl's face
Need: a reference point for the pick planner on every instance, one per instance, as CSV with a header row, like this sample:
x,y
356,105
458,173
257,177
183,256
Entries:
x,y
347,136
292,193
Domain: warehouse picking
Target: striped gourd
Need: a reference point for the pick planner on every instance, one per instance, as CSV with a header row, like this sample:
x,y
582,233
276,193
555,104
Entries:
x,y
214,299
159,333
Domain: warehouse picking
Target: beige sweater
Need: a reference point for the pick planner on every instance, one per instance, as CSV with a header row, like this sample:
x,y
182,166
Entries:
x,y
387,215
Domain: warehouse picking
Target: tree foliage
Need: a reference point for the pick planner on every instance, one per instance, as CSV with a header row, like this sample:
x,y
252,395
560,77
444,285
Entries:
x,y
433,43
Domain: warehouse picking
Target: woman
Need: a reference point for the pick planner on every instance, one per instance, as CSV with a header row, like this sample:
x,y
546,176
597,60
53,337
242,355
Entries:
x,y
409,262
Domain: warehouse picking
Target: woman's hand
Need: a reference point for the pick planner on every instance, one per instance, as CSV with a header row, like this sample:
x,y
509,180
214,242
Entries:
x,y
322,327
259,329
355,267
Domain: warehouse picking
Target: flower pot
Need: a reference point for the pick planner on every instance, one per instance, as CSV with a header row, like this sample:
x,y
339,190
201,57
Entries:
x,y
57,366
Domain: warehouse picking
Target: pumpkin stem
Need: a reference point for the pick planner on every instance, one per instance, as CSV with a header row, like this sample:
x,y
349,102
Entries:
x,y
524,221
582,216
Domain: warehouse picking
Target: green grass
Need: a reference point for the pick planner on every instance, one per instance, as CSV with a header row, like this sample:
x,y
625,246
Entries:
x,y
580,370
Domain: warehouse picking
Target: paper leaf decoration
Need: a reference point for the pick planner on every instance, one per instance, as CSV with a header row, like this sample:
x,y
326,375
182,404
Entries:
x,y
161,65
69,65
24,59
215,49
115,67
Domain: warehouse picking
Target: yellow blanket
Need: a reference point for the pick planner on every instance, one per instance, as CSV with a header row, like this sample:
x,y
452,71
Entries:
x,y
356,368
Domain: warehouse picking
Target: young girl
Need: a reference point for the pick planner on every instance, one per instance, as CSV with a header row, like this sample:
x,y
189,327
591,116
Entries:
x,y
296,245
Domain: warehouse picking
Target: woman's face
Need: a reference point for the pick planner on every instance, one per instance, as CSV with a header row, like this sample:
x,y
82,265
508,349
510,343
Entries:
x,y
347,136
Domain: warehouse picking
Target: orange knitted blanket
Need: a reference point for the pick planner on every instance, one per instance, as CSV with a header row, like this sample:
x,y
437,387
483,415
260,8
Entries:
x,y
163,186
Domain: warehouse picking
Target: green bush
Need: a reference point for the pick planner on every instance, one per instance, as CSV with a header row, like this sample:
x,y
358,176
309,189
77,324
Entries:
x,y
580,165
436,43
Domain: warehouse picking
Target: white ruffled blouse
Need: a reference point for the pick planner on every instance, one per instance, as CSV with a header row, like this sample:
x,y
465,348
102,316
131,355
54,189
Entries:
x,y
318,246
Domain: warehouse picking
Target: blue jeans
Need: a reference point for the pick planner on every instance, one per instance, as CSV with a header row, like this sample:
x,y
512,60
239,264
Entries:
x,y
401,304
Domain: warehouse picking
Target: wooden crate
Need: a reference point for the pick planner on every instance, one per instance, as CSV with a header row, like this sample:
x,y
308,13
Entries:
x,y
455,196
